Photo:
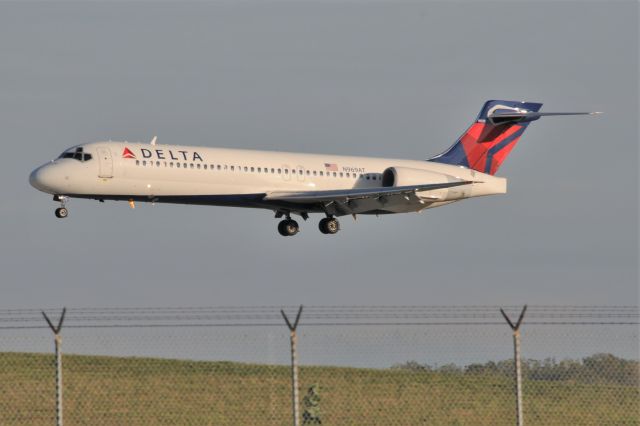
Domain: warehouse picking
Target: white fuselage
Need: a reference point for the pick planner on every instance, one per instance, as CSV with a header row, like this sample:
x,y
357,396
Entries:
x,y
233,177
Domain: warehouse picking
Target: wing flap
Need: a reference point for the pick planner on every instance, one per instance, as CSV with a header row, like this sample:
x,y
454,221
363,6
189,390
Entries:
x,y
346,195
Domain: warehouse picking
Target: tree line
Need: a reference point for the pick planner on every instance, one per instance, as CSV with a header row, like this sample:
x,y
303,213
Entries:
x,y
598,368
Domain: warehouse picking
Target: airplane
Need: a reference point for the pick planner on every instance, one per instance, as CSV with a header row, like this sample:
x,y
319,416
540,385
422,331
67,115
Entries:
x,y
293,183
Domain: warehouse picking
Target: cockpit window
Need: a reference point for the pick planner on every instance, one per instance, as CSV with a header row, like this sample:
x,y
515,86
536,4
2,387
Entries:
x,y
77,154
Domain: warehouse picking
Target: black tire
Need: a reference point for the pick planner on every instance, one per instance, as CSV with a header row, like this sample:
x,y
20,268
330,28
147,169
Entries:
x,y
61,212
288,228
323,225
329,225
281,229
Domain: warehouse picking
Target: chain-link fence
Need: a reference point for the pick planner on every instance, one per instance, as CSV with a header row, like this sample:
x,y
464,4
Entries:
x,y
357,365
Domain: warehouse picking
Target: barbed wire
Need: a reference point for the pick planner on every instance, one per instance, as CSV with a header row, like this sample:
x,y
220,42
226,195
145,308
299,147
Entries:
x,y
333,309
315,324
249,316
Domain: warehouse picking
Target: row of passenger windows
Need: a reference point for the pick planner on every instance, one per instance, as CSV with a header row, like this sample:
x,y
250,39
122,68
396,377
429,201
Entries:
x,y
272,170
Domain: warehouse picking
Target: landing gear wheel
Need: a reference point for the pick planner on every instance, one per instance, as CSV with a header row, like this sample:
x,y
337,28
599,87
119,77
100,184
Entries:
x,y
61,212
288,228
329,225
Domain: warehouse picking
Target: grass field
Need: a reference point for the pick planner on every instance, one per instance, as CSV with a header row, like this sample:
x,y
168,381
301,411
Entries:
x,y
147,391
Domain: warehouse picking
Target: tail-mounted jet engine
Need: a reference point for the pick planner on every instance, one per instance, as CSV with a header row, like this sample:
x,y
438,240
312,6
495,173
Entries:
x,y
404,176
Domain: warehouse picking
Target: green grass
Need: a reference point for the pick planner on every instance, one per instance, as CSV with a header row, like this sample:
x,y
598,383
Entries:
x,y
147,391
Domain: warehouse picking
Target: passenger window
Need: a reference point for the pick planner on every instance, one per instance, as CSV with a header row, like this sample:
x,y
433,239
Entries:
x,y
178,165
259,169
144,163
184,165
341,174
137,162
321,173
205,166
171,165
286,171
219,167
293,171
252,169
335,174
198,166
274,170
157,163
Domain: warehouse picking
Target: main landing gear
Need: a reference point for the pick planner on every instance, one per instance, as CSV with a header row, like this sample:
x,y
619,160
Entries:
x,y
61,212
289,227
329,225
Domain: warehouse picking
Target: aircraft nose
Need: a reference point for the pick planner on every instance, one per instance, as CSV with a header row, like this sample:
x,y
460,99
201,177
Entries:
x,y
42,179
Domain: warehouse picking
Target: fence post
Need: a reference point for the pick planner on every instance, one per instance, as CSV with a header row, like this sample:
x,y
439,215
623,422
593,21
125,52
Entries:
x,y
58,344
518,367
295,402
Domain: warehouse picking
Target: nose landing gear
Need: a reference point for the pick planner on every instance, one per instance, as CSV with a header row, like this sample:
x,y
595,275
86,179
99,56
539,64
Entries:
x,y
61,212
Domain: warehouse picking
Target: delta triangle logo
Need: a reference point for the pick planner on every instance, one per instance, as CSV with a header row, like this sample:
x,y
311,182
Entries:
x,y
127,153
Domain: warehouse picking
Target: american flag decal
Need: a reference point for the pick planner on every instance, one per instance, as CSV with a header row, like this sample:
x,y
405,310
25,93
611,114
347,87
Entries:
x,y
331,167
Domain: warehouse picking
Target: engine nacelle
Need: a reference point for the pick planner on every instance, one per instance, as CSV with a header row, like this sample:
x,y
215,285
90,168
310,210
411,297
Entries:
x,y
405,176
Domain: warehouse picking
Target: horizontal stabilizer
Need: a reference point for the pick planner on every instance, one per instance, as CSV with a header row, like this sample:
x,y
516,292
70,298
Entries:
x,y
501,116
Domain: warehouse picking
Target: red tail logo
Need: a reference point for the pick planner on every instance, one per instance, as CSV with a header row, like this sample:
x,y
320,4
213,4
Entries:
x,y
126,153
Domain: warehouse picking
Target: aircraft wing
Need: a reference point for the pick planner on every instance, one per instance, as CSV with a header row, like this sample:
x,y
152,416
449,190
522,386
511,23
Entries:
x,y
360,200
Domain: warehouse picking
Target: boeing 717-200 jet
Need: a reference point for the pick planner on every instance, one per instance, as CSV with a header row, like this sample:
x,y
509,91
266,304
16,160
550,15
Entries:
x,y
292,183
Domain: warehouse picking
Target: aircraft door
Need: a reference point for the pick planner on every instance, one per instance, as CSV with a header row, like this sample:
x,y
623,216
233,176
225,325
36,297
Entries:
x,y
105,163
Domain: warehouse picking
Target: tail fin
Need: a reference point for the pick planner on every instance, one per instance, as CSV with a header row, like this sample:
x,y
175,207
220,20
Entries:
x,y
490,139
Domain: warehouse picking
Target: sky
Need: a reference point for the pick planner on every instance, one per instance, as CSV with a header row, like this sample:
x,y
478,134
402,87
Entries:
x,y
384,79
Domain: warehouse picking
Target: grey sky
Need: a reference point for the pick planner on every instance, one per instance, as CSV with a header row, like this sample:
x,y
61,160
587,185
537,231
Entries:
x,y
385,79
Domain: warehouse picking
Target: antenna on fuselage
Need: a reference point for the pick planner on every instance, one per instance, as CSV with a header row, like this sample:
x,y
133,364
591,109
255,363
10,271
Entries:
x,y
154,140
